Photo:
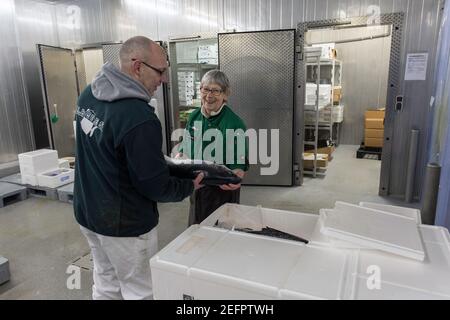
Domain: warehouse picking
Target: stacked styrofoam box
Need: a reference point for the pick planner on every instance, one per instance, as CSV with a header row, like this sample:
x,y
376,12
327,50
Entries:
x,y
35,162
327,49
208,54
186,88
337,114
324,94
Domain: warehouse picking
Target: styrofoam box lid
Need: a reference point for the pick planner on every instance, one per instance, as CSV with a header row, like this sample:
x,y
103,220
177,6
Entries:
x,y
406,212
180,254
320,239
36,153
238,216
374,228
326,273
250,262
320,273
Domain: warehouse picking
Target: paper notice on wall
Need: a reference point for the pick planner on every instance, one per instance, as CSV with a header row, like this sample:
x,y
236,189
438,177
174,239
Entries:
x,y
416,67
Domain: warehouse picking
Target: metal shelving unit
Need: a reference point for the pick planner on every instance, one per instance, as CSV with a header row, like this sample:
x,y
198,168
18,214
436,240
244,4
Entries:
x,y
313,60
184,55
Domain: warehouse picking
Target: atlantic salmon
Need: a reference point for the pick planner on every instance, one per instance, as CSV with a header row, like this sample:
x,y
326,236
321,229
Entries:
x,y
214,174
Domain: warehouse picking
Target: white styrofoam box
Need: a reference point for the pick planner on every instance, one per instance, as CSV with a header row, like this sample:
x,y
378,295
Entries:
x,y
324,94
375,229
236,216
329,273
64,163
213,263
4,270
326,49
29,179
56,178
337,115
405,278
403,211
320,273
34,162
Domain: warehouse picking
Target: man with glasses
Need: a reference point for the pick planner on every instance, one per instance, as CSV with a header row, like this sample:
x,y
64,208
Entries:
x,y
121,172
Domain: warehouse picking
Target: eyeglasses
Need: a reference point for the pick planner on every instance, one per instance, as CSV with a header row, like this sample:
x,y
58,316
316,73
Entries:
x,y
214,92
161,72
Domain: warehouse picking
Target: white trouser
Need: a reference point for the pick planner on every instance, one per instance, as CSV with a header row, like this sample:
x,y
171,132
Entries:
x,y
122,266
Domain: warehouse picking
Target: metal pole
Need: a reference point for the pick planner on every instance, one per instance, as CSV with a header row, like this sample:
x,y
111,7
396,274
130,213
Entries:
x,y
430,193
410,174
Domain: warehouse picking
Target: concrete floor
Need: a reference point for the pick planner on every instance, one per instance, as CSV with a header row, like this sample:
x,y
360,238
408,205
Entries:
x,y
41,238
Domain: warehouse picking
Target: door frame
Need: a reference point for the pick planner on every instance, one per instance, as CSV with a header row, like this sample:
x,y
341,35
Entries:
x,y
397,21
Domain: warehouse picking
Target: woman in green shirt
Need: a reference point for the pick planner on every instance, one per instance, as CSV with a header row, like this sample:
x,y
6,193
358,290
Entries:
x,y
214,132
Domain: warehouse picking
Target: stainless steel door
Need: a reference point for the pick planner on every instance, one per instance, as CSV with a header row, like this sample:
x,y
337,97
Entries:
x,y
59,85
261,69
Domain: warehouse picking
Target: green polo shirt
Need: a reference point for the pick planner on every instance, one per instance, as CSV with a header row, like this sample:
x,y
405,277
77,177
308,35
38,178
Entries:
x,y
220,139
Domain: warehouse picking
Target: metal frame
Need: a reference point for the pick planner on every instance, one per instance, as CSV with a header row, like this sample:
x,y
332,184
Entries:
x,y
397,21
45,89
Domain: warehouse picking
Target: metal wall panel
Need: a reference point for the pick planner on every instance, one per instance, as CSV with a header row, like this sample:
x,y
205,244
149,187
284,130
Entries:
x,y
15,118
261,68
35,24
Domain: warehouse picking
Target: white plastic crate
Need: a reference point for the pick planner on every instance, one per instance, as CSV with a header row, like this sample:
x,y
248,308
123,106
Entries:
x,y
56,178
32,163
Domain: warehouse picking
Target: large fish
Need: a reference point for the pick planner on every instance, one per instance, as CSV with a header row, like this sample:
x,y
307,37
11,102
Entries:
x,y
214,174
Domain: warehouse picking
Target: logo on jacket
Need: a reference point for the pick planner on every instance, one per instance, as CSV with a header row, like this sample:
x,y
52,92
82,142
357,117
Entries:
x,y
89,121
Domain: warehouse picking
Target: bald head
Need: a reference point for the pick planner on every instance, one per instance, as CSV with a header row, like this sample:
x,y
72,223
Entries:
x,y
140,48
145,61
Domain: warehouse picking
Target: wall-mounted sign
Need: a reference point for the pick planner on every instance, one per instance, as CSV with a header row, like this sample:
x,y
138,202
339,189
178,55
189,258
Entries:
x,y
416,67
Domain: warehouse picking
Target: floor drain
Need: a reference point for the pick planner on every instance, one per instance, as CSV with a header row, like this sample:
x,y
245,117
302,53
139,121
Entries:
x,y
84,262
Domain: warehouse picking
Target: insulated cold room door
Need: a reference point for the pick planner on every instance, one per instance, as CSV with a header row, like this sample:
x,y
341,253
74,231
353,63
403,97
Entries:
x,y
261,69
60,91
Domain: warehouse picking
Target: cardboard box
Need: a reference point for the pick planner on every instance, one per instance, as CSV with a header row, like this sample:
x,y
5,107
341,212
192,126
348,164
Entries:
x,y
374,133
375,114
337,95
326,150
374,124
308,160
374,142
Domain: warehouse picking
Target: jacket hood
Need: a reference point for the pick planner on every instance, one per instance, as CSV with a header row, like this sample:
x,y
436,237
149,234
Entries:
x,y
111,84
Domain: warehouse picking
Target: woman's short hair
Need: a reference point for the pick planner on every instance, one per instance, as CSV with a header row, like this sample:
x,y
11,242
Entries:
x,y
217,77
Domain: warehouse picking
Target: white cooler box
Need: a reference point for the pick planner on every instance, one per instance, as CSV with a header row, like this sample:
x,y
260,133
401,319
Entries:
x,y
35,162
208,262
56,178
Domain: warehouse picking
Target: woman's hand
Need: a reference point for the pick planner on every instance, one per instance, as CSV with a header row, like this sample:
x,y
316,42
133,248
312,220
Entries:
x,y
232,187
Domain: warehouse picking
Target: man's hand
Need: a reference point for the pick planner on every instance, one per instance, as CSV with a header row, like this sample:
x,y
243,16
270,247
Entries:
x,y
198,180
232,187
